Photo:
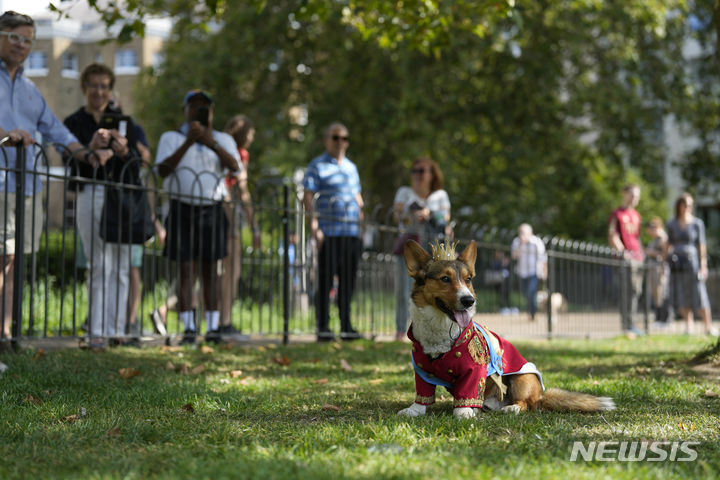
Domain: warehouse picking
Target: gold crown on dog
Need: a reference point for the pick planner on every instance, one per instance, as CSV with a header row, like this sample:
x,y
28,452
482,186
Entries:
x,y
443,251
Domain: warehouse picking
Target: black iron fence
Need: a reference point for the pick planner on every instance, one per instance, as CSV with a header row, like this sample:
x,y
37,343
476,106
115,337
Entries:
x,y
272,286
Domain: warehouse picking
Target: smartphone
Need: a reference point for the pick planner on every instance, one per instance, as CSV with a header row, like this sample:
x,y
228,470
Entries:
x,y
116,121
202,115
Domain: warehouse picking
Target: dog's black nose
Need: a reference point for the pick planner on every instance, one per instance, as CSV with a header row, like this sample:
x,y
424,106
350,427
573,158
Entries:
x,y
467,301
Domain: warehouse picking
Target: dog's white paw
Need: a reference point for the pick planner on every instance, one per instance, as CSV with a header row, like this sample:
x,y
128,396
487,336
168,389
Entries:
x,y
511,409
464,412
414,410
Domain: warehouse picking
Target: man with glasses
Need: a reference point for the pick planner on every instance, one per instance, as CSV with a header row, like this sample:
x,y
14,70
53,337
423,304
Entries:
x,y
334,204
23,112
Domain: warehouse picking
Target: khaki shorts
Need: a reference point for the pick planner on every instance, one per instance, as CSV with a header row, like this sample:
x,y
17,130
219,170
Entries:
x,y
8,228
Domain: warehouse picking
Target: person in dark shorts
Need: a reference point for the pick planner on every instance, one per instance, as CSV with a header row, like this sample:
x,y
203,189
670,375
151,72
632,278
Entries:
x,y
194,161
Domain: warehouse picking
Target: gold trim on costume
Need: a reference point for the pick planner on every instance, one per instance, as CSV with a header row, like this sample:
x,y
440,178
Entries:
x,y
479,350
466,402
425,400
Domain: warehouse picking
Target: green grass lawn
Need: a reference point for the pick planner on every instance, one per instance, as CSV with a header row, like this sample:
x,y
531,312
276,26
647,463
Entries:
x,y
329,411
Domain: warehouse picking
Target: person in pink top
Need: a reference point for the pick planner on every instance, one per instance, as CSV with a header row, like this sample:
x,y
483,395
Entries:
x,y
624,236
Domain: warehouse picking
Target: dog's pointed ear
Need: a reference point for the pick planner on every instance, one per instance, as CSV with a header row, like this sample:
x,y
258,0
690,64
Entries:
x,y
469,255
415,259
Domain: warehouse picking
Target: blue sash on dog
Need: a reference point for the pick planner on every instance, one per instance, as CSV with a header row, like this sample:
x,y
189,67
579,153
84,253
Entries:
x,y
495,365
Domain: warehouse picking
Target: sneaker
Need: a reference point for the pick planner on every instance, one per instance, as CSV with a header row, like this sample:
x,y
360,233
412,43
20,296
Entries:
x,y
325,336
95,344
714,332
350,335
213,336
634,332
131,342
188,337
157,323
230,333
124,342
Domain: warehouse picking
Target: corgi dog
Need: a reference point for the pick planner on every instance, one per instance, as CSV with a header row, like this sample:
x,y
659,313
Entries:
x,y
478,367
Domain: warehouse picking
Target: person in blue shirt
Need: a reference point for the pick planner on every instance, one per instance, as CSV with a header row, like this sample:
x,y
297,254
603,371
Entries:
x,y
333,203
23,113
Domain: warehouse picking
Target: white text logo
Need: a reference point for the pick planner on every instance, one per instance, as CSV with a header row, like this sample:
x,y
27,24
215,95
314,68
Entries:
x,y
634,451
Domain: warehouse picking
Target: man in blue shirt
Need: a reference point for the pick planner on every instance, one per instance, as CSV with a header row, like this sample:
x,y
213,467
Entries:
x,y
23,112
334,204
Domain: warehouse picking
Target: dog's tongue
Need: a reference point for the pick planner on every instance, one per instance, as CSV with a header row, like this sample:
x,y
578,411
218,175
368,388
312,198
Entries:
x,y
462,318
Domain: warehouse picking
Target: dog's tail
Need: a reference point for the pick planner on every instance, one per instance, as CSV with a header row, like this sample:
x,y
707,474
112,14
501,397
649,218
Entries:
x,y
558,400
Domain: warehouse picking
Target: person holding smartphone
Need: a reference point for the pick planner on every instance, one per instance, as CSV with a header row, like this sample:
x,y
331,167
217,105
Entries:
x,y
194,161
108,261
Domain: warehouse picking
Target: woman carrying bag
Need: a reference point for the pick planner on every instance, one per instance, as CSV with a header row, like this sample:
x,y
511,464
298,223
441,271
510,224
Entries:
x,y
687,256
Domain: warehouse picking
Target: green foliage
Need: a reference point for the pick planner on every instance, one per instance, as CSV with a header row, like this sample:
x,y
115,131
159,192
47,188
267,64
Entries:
x,y
542,119
294,412
55,255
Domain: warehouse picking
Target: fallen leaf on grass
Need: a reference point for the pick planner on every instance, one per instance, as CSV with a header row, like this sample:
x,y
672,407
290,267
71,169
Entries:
x,y
282,360
320,381
71,418
226,346
236,373
684,426
206,349
113,432
246,381
188,407
224,381
375,381
169,366
329,406
337,346
711,394
184,368
358,348
39,354
33,400
199,369
127,373
345,365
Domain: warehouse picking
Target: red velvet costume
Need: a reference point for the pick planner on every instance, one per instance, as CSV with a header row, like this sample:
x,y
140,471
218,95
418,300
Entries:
x,y
464,366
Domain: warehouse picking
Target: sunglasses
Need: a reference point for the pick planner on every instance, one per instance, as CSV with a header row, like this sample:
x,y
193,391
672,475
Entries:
x,y
419,171
337,138
16,39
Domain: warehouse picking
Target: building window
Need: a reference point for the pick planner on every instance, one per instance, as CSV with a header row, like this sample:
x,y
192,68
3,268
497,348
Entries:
x,y
69,66
126,62
36,64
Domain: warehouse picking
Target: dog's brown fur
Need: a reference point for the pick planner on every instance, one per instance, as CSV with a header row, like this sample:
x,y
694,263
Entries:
x,y
442,283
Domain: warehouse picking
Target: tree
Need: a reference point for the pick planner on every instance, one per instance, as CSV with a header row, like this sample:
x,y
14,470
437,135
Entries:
x,y
425,24
542,119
